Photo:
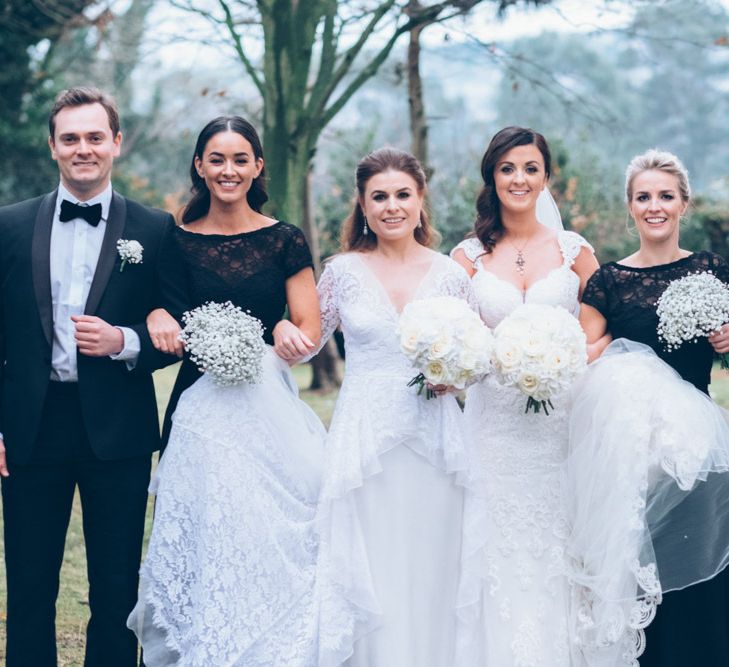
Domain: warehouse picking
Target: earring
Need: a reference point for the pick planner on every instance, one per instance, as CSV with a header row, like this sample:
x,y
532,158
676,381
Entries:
x,y
366,230
420,223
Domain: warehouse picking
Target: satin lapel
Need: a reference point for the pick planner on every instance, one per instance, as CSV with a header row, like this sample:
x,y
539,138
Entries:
x,y
41,262
108,253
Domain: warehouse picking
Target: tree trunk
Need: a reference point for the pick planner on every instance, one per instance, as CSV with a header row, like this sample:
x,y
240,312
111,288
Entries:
x,y
416,105
325,374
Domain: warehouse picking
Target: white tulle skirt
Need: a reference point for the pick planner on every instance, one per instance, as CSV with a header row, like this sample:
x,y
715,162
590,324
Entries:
x,y
647,497
230,577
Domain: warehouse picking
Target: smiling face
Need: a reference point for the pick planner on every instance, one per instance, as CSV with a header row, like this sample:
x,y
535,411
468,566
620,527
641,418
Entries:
x,y
84,147
519,177
228,166
656,205
392,205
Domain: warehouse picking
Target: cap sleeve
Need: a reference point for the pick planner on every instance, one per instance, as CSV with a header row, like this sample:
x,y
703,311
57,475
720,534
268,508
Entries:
x,y
571,244
720,268
595,293
297,255
472,248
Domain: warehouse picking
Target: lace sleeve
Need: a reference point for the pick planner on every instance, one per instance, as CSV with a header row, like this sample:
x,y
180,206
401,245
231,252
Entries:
x,y
297,255
456,282
596,294
471,247
720,268
328,305
464,290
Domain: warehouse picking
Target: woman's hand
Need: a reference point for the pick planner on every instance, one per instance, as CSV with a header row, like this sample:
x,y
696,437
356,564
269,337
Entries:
x,y
441,389
164,331
720,340
290,343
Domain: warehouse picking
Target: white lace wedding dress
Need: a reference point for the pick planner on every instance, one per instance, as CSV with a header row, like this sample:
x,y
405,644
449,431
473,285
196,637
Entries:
x,y
391,505
513,597
230,574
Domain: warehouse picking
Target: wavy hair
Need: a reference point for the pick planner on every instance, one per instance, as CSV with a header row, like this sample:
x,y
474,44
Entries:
x,y
489,227
377,162
199,203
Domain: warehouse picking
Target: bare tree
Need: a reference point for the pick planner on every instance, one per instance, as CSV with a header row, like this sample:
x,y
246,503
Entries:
x,y
416,103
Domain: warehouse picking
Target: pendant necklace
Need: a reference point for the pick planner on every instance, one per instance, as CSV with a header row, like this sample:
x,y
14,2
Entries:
x,y
520,261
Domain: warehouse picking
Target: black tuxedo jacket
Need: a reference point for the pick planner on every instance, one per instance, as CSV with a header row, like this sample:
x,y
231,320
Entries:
x,y
119,409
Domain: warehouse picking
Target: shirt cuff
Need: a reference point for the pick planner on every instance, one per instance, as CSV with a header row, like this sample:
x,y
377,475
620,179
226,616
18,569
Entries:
x,y
131,349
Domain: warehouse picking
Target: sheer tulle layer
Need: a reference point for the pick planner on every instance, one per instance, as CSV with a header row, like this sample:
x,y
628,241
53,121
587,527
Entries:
x,y
375,413
230,576
648,505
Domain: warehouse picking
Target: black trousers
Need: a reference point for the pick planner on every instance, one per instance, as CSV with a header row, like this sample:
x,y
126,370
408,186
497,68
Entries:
x,y
37,501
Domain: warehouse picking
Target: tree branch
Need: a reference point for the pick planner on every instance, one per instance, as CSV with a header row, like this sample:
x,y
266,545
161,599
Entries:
x,y
238,45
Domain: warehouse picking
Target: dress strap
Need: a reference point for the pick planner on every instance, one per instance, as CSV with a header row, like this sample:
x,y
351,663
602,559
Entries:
x,y
570,244
472,248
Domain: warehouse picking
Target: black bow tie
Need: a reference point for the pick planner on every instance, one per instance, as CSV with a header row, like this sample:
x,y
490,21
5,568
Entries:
x,y
71,211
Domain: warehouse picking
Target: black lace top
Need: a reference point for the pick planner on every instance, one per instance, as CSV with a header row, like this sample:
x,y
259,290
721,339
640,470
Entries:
x,y
248,269
627,297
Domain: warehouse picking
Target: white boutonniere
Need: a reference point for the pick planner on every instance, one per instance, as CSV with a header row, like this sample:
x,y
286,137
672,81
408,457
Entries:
x,y
129,251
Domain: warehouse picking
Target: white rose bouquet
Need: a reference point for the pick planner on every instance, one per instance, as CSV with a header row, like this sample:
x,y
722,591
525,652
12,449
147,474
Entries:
x,y
692,307
446,341
225,343
539,350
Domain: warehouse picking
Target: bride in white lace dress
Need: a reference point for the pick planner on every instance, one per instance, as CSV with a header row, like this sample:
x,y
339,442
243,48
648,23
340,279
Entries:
x,y
391,504
514,597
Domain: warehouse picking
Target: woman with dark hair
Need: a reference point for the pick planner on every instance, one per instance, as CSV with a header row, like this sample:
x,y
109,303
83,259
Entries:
x,y
391,506
230,574
514,597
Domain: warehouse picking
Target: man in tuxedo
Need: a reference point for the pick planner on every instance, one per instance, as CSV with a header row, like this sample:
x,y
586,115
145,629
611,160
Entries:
x,y
77,403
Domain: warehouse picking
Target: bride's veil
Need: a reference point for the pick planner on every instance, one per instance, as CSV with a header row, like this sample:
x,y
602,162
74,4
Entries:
x,y
547,211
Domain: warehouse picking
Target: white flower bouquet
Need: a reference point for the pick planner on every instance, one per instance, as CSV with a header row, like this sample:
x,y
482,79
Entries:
x,y
225,343
692,307
540,350
129,252
446,341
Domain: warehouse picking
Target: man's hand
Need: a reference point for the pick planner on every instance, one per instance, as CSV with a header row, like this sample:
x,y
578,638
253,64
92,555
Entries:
x,y
96,338
3,462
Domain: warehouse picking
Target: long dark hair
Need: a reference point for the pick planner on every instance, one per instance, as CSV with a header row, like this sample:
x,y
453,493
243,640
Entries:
x,y
199,203
489,227
377,162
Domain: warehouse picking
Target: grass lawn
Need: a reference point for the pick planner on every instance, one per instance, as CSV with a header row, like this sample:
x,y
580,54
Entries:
x,y
73,602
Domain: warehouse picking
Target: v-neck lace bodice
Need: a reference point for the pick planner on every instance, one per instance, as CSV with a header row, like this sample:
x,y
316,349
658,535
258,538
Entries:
x,y
497,297
352,297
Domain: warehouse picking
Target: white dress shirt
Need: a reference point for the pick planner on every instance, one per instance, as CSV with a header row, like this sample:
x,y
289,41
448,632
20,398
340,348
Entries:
x,y
75,248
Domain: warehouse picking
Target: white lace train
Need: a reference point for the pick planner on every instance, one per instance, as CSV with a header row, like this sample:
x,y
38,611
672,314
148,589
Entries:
x,y
229,578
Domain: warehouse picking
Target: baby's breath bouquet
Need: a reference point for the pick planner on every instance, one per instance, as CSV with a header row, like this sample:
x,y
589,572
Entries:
x,y
225,343
446,341
540,350
692,307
